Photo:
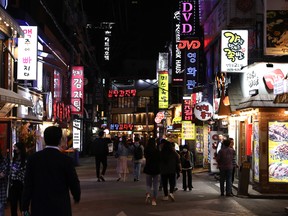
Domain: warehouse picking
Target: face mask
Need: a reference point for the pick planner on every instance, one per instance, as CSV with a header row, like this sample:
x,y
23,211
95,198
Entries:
x,y
185,150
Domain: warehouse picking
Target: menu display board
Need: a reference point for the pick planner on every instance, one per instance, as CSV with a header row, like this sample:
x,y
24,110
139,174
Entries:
x,y
278,151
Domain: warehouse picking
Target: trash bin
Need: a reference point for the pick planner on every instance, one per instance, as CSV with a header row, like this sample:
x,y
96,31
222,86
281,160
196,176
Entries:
x,y
244,178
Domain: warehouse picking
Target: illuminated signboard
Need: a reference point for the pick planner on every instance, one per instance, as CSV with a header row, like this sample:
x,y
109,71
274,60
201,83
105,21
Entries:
x,y
122,127
187,111
191,62
163,87
188,14
234,50
107,36
188,130
203,111
57,85
278,151
122,93
27,54
77,134
77,90
177,71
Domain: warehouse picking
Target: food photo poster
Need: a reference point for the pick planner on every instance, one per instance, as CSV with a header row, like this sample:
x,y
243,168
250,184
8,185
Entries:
x,y
278,151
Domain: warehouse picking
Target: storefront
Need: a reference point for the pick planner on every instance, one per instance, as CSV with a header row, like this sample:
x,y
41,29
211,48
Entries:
x,y
262,132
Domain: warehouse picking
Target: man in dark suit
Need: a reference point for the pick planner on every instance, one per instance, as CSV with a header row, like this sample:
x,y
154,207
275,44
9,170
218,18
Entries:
x,y
101,152
49,177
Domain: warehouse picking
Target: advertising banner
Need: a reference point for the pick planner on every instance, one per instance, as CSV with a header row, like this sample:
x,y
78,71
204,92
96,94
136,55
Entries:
x,y
234,50
276,27
256,152
27,54
278,151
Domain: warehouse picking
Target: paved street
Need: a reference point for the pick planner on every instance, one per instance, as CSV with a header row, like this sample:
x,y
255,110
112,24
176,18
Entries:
x,y
112,198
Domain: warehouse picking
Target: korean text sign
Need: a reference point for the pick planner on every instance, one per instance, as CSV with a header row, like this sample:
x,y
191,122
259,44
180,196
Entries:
x,y
27,54
234,50
77,90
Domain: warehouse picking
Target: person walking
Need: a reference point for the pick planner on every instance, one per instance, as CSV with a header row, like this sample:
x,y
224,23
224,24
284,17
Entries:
x,y
50,177
123,151
4,171
16,175
236,165
226,162
187,163
170,166
101,152
138,154
152,170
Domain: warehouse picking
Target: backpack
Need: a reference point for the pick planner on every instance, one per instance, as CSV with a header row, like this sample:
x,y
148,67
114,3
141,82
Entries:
x,y
138,152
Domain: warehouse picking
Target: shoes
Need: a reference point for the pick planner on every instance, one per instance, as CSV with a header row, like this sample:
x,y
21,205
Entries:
x,y
190,189
98,180
102,178
185,189
154,202
147,200
119,179
136,179
171,196
222,194
230,195
165,198
175,189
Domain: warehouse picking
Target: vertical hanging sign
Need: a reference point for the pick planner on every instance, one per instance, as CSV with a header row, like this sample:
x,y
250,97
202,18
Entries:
x,y
188,11
27,54
177,71
77,134
187,110
77,90
163,87
191,48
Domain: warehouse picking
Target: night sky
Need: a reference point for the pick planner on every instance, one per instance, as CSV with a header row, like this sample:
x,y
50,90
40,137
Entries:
x,y
142,29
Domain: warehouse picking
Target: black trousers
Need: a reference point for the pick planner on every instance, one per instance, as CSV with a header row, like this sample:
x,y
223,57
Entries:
x,y
100,159
187,175
15,194
168,178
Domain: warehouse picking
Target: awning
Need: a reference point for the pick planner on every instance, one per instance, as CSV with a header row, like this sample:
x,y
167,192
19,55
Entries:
x,y
260,101
8,96
11,22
